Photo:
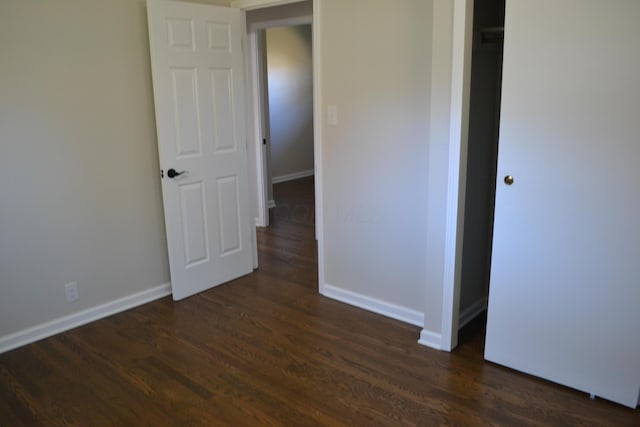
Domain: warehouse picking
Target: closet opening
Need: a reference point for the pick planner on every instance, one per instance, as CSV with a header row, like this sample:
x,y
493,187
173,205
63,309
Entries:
x,y
482,158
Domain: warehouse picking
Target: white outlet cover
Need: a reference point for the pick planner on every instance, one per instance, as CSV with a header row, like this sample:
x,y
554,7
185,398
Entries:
x,y
71,291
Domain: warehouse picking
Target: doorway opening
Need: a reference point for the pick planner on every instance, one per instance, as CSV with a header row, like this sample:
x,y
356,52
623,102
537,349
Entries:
x,y
281,75
482,158
282,81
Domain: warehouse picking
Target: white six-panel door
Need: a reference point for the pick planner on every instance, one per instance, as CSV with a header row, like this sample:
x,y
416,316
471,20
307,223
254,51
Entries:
x,y
197,65
564,300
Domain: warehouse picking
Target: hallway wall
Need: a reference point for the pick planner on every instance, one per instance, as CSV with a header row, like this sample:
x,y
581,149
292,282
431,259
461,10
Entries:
x,y
290,89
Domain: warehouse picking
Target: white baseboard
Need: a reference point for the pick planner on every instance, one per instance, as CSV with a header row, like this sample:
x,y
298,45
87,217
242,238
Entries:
x,y
434,340
470,313
292,176
384,308
430,339
62,324
271,204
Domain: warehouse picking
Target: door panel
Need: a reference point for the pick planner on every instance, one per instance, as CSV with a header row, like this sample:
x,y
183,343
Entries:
x,y
197,65
222,85
194,217
565,284
184,88
229,218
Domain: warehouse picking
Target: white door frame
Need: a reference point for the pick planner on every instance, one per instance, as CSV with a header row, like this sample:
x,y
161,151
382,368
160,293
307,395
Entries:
x,y
255,123
255,127
458,140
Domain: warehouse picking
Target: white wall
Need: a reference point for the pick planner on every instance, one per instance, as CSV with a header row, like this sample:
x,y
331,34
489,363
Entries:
x,y
79,179
376,68
290,87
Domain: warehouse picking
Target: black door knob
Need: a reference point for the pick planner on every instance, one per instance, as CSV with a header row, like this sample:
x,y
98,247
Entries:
x,y
171,173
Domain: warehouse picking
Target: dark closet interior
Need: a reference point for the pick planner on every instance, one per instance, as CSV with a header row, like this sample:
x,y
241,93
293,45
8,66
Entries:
x,y
484,120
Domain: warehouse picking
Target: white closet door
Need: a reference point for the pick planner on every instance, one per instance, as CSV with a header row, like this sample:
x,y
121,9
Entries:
x,y
564,300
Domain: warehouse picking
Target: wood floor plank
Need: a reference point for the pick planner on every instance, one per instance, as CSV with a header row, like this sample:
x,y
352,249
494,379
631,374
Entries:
x,y
266,349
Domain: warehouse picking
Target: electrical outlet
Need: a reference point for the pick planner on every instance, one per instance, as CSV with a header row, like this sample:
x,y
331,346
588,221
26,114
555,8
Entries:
x,y
71,291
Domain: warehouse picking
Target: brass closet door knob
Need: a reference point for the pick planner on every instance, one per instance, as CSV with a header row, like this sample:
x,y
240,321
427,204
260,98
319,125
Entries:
x,y
508,180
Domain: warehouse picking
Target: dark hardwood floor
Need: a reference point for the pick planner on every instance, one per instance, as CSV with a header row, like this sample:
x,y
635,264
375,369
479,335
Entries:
x,y
267,350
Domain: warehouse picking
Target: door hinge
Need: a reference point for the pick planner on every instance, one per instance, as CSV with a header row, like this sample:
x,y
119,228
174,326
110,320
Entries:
x,y
264,141
161,173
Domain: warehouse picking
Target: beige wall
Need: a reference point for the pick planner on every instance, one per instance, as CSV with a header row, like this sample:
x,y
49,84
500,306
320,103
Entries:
x,y
78,160
290,86
79,186
376,68
290,10
226,3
